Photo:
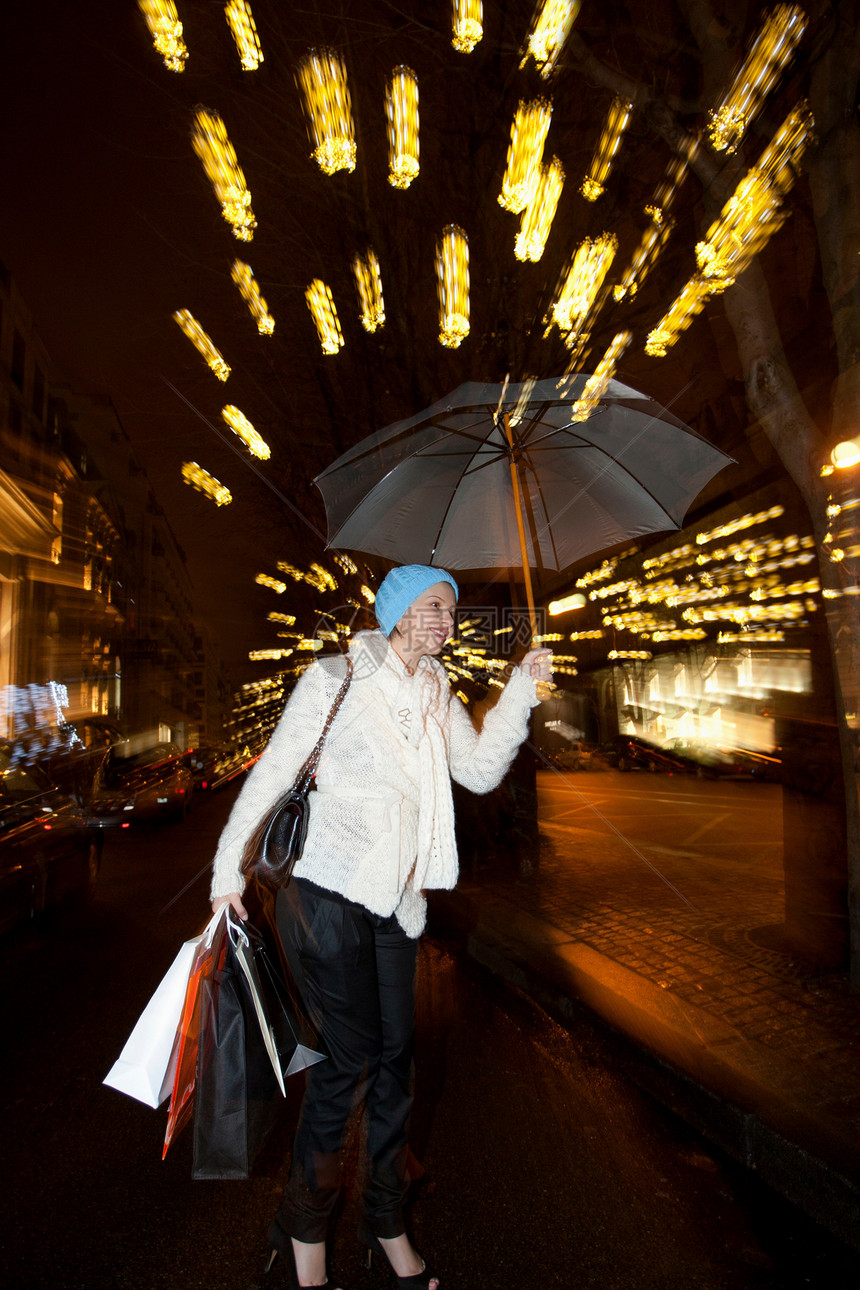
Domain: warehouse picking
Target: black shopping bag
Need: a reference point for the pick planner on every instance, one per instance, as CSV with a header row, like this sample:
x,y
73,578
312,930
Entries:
x,y
237,1091
249,1038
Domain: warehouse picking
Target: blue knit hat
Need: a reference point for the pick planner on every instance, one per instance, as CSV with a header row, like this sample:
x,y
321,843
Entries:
x,y
401,587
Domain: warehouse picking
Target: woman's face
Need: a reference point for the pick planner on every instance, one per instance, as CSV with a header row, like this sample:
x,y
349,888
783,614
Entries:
x,y
427,623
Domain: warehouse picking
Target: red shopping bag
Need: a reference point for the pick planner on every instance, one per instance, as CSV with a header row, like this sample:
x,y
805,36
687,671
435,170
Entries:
x,y
208,960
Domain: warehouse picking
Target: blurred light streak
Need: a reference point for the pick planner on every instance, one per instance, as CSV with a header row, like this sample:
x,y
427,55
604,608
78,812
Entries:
x,y
645,256
241,426
596,385
265,655
579,287
401,108
617,120
200,479
574,601
321,304
274,584
846,454
165,28
768,55
528,135
328,108
468,25
243,276
537,218
747,221
549,30
368,284
752,214
452,286
201,342
216,152
286,619
691,301
346,563
244,29
368,594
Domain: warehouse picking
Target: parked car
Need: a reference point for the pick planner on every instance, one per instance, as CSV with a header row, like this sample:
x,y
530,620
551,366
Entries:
x,y
632,752
580,756
135,786
48,852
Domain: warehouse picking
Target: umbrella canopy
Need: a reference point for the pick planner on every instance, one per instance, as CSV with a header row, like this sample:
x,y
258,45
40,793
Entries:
x,y
438,488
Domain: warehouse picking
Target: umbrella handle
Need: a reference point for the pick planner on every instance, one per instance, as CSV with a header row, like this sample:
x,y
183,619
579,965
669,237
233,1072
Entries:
x,y
544,689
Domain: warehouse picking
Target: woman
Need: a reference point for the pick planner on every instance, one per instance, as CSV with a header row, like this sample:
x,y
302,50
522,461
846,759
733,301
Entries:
x,y
381,832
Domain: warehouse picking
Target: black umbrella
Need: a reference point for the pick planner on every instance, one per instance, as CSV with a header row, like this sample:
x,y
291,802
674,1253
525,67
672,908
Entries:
x,y
497,476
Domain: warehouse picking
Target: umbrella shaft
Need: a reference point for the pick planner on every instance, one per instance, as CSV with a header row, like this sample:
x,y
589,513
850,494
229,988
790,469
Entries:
x,y
518,510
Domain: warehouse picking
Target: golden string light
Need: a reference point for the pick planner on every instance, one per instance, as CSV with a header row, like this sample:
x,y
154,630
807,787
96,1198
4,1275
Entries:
x,y
201,342
244,29
617,120
452,285
286,619
645,256
216,152
754,211
328,109
165,28
274,584
580,285
684,308
243,276
537,218
747,221
550,28
595,386
368,284
770,52
528,135
321,304
401,109
241,426
468,25
268,655
200,479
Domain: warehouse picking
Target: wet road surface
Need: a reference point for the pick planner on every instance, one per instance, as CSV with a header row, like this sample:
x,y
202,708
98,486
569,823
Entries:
x,y
544,1166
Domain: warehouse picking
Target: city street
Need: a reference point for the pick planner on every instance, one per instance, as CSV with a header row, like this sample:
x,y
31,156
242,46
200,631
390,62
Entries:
x,y
717,842
544,1165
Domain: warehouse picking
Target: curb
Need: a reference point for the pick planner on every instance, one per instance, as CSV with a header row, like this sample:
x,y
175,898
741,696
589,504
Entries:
x,y
739,1096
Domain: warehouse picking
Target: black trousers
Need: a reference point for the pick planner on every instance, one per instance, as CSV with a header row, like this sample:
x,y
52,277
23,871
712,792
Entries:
x,y
357,971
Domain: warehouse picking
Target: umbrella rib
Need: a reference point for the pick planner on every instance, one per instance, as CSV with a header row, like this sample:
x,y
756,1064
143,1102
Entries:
x,y
615,462
444,519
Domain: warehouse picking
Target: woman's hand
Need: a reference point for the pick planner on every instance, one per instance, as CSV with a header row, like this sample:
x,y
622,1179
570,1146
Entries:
x,y
538,664
235,901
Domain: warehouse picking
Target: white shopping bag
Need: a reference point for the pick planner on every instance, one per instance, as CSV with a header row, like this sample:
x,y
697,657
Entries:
x,y
144,1069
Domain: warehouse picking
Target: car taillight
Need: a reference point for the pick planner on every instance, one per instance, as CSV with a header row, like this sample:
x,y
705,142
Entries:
x,y
204,784
125,825
47,826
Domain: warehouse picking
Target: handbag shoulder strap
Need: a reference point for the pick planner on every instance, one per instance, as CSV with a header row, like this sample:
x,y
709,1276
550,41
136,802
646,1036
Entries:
x,y
306,774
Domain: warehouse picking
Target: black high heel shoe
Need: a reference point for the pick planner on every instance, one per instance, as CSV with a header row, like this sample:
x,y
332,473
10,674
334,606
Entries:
x,y
418,1281
284,1247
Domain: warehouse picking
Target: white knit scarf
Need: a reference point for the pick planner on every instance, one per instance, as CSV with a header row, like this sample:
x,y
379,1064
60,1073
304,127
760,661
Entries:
x,y
436,860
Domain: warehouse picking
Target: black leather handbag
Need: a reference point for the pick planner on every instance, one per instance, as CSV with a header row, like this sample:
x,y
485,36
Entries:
x,y
276,844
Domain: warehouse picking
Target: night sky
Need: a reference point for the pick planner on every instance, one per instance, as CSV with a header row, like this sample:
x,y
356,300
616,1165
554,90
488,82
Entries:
x,y
109,225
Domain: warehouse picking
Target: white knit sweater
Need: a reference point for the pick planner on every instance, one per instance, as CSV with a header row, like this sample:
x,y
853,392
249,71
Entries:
x,y
381,825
